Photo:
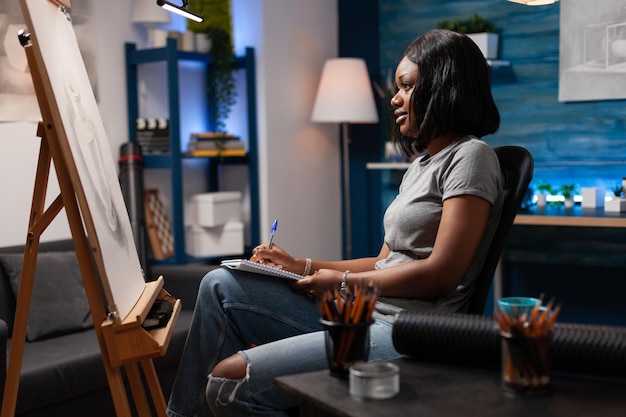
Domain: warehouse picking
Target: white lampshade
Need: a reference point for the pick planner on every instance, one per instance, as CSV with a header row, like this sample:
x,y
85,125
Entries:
x,y
345,93
147,11
534,2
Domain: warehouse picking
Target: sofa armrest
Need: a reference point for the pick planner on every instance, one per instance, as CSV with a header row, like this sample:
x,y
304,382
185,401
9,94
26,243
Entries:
x,y
4,335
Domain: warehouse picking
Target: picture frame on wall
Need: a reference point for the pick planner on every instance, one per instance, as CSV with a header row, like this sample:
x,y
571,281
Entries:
x,y
592,58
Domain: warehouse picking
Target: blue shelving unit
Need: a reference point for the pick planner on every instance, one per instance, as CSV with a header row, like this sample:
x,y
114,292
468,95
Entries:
x,y
172,57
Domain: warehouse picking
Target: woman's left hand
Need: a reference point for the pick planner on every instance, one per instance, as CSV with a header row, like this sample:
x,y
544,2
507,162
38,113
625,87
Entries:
x,y
318,282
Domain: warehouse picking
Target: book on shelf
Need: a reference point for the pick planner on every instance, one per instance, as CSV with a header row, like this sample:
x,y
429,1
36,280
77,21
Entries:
x,y
222,153
213,145
212,136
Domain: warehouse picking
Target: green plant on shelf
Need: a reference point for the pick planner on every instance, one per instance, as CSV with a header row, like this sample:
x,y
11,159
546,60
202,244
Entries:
x,y
217,25
474,24
544,187
618,190
568,190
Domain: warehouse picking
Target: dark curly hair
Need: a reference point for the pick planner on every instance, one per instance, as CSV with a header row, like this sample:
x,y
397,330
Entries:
x,y
452,93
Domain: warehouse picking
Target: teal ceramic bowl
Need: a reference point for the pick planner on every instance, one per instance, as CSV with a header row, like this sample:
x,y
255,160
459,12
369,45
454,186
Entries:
x,y
517,305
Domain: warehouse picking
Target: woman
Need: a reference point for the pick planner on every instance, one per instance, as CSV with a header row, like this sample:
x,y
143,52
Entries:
x,y
248,329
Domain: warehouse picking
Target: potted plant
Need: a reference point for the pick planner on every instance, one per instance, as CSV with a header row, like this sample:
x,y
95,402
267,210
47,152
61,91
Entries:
x,y
618,203
568,191
618,190
217,27
482,31
544,189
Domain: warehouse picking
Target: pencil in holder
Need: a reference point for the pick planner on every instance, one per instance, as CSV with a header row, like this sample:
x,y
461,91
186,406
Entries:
x,y
347,344
526,363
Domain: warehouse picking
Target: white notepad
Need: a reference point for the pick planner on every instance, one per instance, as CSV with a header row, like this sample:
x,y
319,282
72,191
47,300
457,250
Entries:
x,y
249,266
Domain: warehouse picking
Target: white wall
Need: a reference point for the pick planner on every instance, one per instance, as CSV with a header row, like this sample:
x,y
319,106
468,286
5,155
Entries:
x,y
299,160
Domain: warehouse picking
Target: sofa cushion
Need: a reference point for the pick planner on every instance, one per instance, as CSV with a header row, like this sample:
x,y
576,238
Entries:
x,y
58,302
7,300
4,334
62,368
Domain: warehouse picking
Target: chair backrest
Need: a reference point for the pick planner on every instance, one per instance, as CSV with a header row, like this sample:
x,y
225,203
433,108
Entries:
x,y
516,164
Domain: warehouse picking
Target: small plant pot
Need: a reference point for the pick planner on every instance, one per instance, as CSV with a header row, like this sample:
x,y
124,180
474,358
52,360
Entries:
x,y
203,43
487,43
615,205
541,200
569,202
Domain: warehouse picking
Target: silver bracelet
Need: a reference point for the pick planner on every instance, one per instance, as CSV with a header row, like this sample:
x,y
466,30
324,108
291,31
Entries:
x,y
344,282
307,268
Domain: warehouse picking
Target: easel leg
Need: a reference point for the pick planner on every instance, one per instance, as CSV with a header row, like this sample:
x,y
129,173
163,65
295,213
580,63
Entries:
x,y
139,393
27,281
155,388
118,391
136,386
19,338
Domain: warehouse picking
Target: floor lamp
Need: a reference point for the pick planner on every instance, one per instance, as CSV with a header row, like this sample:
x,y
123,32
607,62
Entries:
x,y
345,96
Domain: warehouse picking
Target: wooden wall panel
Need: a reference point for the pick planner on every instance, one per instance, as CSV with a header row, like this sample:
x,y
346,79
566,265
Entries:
x,y
582,142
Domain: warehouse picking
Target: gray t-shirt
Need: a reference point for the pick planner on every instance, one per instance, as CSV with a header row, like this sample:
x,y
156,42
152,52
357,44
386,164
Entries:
x,y
466,167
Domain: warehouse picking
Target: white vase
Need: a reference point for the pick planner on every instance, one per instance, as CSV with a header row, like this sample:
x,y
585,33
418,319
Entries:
x,y
188,41
487,43
541,200
569,202
203,43
615,205
157,38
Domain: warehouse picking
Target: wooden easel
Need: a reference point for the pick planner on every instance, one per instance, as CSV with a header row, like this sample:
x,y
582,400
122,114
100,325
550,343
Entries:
x,y
123,341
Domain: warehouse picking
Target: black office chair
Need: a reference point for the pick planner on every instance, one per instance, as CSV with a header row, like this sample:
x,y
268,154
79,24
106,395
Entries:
x,y
516,164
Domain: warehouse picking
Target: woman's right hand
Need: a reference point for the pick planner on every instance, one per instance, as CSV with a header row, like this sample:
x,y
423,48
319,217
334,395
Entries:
x,y
276,257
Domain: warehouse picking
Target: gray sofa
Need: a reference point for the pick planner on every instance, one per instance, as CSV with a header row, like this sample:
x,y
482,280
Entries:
x,y
62,372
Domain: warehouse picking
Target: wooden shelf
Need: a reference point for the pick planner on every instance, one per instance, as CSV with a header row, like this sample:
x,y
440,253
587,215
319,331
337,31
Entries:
x,y
171,56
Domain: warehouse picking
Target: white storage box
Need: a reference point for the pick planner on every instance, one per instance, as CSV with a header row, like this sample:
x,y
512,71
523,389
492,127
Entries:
x,y
593,197
213,209
215,241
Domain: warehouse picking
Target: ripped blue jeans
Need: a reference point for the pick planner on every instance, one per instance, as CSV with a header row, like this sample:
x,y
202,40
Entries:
x,y
274,328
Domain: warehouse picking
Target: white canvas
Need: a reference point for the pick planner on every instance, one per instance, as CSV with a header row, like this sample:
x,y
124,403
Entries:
x,y
78,123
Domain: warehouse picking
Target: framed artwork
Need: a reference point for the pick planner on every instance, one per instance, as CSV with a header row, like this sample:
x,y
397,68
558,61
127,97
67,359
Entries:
x,y
592,61
86,152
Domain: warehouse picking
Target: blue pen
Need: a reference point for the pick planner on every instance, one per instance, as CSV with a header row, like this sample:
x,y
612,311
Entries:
x,y
272,232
